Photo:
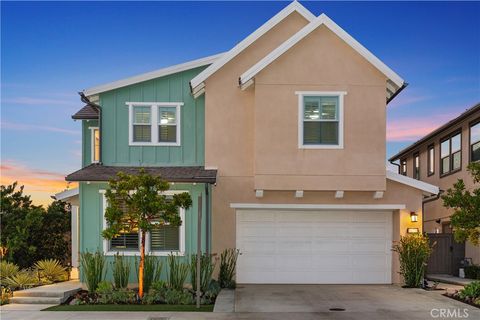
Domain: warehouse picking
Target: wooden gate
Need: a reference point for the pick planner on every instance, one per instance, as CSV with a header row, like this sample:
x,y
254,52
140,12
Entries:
x,y
446,254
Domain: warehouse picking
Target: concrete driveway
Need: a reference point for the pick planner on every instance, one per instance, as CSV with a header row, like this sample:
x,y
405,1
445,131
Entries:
x,y
359,301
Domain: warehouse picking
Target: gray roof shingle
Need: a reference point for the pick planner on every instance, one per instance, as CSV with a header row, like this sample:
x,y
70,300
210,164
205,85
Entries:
x,y
88,112
98,172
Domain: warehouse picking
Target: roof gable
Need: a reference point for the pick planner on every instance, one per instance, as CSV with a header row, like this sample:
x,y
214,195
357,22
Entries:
x,y
197,83
152,75
394,84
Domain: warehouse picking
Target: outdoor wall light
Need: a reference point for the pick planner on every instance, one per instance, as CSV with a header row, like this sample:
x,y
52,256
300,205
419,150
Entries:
x,y
413,217
413,230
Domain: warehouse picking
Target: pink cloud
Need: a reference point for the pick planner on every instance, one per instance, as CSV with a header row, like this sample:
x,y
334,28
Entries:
x,y
40,184
412,129
34,127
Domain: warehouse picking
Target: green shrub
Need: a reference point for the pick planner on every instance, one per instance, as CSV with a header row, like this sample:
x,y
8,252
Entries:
x,y
121,271
7,269
228,263
471,291
413,250
123,296
206,270
104,291
22,280
93,268
175,296
51,270
178,272
472,272
156,294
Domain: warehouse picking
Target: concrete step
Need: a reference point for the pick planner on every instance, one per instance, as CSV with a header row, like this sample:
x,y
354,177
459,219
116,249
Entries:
x,y
45,293
37,300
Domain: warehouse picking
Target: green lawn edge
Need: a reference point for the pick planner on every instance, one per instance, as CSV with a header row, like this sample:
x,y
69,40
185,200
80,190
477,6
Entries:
x,y
131,307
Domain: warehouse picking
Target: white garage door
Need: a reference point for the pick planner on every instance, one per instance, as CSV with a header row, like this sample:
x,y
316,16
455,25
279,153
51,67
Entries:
x,y
317,247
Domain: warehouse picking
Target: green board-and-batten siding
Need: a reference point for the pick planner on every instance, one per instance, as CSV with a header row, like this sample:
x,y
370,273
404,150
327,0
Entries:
x,y
171,88
91,223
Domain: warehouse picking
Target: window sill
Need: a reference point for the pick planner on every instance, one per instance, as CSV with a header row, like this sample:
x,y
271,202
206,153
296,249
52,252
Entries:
x,y
150,144
137,253
320,146
450,173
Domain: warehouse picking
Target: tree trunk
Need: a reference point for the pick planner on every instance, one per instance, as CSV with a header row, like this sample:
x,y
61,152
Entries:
x,y
141,266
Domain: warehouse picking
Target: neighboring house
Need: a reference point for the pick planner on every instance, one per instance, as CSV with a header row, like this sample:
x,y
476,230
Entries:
x,y
441,158
283,137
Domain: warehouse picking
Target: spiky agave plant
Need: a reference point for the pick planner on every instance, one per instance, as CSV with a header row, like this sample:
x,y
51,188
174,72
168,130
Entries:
x,y
51,270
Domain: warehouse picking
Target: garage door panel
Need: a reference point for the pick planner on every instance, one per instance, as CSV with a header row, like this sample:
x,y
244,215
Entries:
x,y
257,246
314,247
327,245
294,246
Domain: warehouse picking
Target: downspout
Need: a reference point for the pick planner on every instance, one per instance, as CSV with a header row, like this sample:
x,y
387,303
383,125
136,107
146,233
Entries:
x,y
396,164
96,106
207,219
427,200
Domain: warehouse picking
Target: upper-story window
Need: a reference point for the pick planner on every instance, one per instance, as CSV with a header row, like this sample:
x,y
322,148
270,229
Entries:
x,y
416,166
451,153
475,141
154,123
95,144
320,120
431,160
403,167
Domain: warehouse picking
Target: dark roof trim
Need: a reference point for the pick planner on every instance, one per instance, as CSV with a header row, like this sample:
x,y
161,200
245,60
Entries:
x,y
405,84
98,172
88,112
448,125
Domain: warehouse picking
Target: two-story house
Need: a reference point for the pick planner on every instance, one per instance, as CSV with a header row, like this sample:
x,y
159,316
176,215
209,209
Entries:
x,y
441,158
283,137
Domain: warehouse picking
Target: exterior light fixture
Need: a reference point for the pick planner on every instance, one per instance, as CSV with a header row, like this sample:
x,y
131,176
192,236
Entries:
x,y
413,217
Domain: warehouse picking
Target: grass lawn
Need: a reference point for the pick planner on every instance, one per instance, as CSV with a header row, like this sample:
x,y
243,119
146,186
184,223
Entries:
x,y
130,307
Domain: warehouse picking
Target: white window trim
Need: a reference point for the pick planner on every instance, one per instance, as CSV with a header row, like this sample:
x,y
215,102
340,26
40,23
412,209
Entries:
x,y
92,144
340,95
153,123
181,252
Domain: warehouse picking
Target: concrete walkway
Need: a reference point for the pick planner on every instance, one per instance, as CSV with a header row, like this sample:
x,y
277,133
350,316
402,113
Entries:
x,y
294,302
446,278
49,294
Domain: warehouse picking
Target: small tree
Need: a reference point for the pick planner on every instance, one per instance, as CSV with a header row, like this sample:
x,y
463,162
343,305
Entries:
x,y
138,202
413,251
465,219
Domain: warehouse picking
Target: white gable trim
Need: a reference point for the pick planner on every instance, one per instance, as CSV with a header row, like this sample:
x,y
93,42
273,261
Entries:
x,y
321,20
66,194
196,82
152,75
426,187
289,206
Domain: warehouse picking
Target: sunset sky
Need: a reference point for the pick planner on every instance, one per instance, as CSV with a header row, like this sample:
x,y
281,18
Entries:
x,y
50,51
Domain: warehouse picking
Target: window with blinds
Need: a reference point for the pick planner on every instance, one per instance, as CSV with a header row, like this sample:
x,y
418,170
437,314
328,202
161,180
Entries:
x,y
125,241
165,238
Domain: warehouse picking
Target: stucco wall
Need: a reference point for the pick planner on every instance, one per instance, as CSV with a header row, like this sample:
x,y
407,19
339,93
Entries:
x,y
320,62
